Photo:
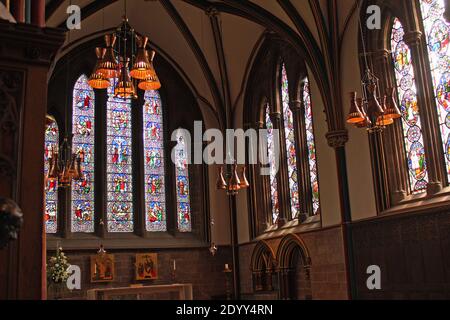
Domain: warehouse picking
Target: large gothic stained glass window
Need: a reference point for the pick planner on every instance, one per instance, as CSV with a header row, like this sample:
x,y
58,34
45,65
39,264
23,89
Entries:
x,y
51,186
311,147
83,118
290,145
155,200
407,95
119,165
182,180
273,168
437,32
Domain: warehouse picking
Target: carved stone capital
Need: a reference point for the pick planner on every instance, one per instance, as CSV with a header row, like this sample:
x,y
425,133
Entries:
x,y
382,54
337,139
412,38
212,12
275,116
295,106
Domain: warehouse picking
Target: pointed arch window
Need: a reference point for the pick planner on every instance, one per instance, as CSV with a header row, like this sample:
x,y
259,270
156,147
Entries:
x,y
155,199
411,122
119,165
83,143
182,188
310,142
437,33
291,156
51,186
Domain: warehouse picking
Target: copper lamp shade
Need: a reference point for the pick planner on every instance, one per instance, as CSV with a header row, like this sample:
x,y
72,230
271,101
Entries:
x,y
244,182
97,79
234,183
151,82
354,116
142,68
366,122
108,67
374,107
221,184
125,87
391,110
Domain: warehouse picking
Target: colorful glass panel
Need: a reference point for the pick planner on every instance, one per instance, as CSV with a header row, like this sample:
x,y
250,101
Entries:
x,y
273,167
437,31
311,147
407,95
51,186
290,145
155,199
182,180
83,120
119,165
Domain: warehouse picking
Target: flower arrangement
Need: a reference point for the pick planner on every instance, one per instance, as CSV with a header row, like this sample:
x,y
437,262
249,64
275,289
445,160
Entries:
x,y
57,268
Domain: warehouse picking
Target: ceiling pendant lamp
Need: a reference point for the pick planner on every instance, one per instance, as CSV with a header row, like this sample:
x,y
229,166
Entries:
x,y
221,184
142,68
244,182
354,116
234,184
152,81
392,111
125,87
97,79
108,67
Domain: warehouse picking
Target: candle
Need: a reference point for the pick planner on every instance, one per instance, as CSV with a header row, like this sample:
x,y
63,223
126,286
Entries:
x,y
226,266
174,265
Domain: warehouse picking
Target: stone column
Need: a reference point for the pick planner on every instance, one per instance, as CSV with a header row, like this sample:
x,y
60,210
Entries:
x,y
18,10
303,175
38,13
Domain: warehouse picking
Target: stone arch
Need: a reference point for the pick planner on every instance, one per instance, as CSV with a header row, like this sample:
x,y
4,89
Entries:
x,y
263,267
294,263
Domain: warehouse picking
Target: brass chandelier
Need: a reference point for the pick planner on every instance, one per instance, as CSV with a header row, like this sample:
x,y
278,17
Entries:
x,y
368,112
125,49
64,166
234,182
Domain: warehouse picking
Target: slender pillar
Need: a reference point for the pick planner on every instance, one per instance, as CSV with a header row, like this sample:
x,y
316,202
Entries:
x,y
18,10
447,11
38,13
283,193
303,180
27,11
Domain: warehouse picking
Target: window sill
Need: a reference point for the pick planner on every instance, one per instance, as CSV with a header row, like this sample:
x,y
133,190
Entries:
x,y
293,226
118,242
421,203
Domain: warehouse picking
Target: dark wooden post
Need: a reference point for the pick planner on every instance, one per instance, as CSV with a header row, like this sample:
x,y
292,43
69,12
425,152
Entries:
x,y
38,13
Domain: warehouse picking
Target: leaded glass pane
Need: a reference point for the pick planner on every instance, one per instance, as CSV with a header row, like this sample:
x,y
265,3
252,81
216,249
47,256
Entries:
x,y
182,180
83,123
407,95
51,186
273,167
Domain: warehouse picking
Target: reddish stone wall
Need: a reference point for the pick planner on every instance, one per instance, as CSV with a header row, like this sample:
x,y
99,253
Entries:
x,y
195,266
328,275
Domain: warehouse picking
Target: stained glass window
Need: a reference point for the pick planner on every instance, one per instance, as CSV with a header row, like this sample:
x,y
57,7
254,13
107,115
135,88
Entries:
x,y
182,180
407,95
119,165
83,119
290,145
155,199
51,186
273,168
311,147
437,32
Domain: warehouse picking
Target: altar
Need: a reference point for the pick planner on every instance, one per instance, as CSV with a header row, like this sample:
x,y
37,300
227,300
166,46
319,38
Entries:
x,y
156,292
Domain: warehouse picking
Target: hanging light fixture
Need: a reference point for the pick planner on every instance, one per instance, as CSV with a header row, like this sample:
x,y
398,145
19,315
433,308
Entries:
x,y
151,82
98,79
235,182
125,48
64,166
368,112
